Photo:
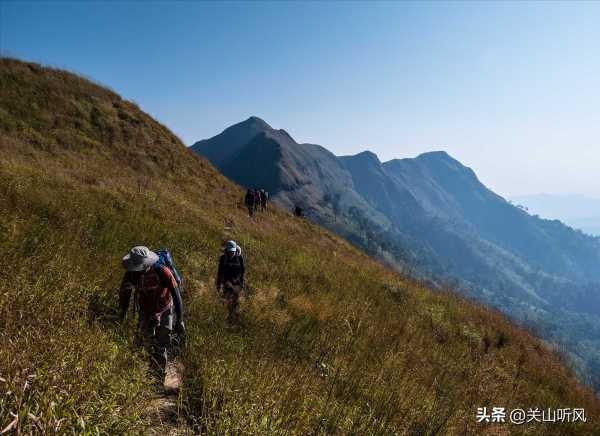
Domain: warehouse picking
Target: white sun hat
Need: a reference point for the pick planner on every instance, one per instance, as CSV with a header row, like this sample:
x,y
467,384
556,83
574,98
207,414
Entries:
x,y
233,247
139,258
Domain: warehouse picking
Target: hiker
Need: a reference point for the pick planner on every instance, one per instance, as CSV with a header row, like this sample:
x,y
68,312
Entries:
x,y
157,299
264,197
299,212
256,199
230,280
249,201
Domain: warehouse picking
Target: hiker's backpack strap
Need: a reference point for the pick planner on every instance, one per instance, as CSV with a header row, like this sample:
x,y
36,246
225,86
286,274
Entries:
x,y
168,280
135,307
165,275
165,258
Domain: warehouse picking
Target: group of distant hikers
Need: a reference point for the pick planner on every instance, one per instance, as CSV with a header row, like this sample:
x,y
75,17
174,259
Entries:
x,y
157,286
258,199
255,200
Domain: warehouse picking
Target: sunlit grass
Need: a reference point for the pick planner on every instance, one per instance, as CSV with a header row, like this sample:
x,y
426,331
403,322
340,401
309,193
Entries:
x,y
333,342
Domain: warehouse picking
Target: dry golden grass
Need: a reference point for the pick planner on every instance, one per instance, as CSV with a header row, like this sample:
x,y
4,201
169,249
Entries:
x,y
333,342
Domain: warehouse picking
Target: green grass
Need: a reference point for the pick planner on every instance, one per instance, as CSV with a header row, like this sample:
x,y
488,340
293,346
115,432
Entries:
x,y
333,341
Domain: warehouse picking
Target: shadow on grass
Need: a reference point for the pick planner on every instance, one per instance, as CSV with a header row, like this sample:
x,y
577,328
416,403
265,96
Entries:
x,y
101,311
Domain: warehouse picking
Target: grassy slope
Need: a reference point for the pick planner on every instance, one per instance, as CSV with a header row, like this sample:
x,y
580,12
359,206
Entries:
x,y
333,340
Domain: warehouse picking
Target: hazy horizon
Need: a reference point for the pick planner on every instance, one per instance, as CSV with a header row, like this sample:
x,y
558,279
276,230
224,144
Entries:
x,y
509,89
576,210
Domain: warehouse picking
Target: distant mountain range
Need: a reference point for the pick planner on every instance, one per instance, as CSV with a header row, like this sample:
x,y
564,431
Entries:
x,y
578,211
431,217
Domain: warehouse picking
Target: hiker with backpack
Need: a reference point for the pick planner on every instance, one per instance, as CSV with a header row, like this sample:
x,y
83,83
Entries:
x,y
257,200
249,201
157,299
230,280
264,197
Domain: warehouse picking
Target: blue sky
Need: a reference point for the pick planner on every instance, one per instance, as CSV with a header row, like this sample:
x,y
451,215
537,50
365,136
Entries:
x,y
511,89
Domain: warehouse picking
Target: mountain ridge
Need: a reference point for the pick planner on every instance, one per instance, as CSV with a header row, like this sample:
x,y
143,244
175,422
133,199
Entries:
x,y
578,211
434,212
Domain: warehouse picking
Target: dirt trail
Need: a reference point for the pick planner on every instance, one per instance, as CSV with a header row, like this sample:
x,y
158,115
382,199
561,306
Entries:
x,y
165,410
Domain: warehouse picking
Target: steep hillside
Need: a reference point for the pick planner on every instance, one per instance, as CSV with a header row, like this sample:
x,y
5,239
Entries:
x,y
450,190
333,341
432,217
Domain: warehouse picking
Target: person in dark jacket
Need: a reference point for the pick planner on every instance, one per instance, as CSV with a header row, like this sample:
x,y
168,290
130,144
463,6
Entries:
x,y
256,199
157,300
264,198
249,201
230,280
